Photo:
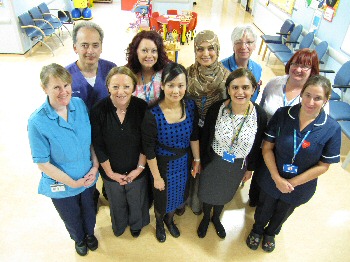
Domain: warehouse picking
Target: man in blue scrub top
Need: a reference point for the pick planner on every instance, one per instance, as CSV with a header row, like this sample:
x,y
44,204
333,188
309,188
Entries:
x,y
89,72
244,42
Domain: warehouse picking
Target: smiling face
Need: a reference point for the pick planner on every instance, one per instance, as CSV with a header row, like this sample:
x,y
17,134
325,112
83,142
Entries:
x,y
299,72
240,90
175,89
244,47
88,46
58,91
120,88
206,54
147,53
313,99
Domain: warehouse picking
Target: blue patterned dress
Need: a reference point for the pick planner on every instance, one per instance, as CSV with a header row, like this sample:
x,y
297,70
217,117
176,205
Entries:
x,y
170,144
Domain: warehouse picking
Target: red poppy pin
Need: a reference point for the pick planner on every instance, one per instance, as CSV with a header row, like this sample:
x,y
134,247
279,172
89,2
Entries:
x,y
306,144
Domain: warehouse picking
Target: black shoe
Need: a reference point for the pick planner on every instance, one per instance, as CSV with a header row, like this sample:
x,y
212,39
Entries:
x,y
203,227
180,211
81,248
91,242
219,228
253,240
174,231
197,213
135,233
160,232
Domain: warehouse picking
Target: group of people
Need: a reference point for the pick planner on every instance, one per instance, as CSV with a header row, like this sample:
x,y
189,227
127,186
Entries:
x,y
159,133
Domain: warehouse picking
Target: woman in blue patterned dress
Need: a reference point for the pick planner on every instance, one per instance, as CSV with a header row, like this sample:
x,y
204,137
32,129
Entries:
x,y
169,134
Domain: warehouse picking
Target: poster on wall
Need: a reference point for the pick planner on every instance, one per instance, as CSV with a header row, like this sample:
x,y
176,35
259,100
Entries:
x,y
285,5
345,47
316,21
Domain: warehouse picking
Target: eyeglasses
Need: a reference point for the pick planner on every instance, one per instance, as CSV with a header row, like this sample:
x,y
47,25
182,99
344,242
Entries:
x,y
241,43
302,67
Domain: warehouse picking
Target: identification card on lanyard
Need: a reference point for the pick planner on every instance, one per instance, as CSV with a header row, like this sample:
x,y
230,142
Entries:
x,y
230,157
290,168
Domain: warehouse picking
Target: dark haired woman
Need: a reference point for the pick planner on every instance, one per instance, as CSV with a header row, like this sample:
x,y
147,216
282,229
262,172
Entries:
x,y
169,133
146,58
300,144
116,134
230,147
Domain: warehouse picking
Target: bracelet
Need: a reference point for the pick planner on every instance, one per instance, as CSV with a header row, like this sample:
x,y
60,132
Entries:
x,y
197,160
141,166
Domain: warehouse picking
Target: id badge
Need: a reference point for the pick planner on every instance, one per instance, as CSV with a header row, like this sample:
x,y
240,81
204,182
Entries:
x,y
290,168
58,188
201,123
228,157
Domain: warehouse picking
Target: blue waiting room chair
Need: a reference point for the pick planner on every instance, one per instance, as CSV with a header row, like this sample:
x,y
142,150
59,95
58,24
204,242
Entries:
x,y
282,35
35,33
306,42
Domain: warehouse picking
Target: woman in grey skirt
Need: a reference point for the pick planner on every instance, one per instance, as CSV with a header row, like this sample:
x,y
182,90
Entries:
x,y
230,148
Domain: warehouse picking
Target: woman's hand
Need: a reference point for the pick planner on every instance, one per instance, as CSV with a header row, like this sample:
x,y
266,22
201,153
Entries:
x,y
118,177
132,176
196,168
283,185
90,176
159,184
247,176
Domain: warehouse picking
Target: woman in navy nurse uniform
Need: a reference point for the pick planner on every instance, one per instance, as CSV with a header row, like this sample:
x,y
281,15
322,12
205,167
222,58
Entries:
x,y
60,140
301,142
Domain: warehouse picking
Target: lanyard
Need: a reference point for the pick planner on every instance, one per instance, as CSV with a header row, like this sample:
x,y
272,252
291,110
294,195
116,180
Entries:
x,y
148,94
235,137
285,102
296,150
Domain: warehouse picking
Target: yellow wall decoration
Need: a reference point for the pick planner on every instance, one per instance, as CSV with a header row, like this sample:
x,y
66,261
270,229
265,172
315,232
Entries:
x,y
285,5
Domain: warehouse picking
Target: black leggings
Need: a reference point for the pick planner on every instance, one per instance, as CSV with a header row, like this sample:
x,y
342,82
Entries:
x,y
217,209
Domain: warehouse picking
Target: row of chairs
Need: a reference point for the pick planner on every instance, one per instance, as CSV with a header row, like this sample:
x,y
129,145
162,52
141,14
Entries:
x,y
39,23
282,46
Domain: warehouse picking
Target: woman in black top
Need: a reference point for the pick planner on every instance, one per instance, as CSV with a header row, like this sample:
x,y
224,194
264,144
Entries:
x,y
116,135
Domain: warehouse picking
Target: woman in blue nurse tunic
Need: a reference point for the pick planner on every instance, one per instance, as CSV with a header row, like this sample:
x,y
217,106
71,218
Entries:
x,y
60,140
301,142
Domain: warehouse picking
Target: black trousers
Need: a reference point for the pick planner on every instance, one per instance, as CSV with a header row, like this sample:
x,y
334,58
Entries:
x,y
270,214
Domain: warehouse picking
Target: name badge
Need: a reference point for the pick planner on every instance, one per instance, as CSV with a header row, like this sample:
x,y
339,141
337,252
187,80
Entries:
x,y
201,123
58,188
228,157
289,168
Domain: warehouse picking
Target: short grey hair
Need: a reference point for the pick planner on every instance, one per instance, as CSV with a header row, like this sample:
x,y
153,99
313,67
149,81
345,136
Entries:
x,y
240,30
87,24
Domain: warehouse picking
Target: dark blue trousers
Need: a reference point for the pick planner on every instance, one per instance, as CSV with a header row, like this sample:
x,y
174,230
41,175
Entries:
x,y
270,214
78,213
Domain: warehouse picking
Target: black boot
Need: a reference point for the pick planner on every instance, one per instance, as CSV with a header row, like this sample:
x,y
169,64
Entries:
x,y
203,227
160,232
169,222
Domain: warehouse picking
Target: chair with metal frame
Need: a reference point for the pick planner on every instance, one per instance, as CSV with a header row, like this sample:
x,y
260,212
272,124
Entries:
x,y
64,17
282,35
43,23
35,33
306,42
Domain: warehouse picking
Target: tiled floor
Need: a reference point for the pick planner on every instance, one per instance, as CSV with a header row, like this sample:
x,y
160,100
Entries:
x,y
32,231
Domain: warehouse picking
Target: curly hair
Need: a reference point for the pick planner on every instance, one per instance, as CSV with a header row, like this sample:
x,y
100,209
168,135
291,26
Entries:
x,y
131,51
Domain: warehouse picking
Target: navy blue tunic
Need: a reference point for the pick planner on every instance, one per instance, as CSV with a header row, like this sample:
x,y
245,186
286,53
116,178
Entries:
x,y
322,144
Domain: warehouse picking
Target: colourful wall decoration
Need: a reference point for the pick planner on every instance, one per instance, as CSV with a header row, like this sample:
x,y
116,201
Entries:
x,y
285,5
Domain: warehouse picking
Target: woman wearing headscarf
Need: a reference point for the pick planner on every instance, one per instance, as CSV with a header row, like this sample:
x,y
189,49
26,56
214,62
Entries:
x,y
206,85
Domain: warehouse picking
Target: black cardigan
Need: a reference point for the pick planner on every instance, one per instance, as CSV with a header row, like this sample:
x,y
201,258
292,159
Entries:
x,y
254,157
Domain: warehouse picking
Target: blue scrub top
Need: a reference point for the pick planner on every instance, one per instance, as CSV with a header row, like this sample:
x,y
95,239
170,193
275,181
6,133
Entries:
x,y
66,145
255,68
81,88
322,144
